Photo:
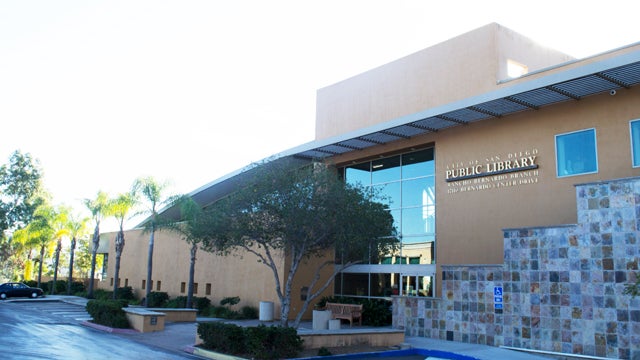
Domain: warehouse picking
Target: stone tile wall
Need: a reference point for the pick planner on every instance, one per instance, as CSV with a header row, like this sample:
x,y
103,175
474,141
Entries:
x,y
562,286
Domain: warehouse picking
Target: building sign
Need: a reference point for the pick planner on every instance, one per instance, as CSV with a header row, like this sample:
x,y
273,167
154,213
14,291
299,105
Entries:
x,y
497,171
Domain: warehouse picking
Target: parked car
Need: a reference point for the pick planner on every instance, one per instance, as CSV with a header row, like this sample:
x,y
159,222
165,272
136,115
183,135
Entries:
x,y
15,289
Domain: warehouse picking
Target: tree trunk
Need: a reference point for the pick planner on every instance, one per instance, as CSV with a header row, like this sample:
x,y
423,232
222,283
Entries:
x,y
192,269
115,277
40,265
71,253
119,247
55,267
150,264
94,253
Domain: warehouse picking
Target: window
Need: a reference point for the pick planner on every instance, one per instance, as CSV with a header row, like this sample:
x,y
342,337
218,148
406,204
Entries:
x,y
158,285
576,153
183,286
126,282
144,284
634,127
111,282
195,288
207,289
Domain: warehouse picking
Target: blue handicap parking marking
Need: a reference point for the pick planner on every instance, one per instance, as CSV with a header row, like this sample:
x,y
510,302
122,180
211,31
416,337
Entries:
x,y
497,291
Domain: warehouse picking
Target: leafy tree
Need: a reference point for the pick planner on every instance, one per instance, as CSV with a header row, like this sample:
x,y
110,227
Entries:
x,y
193,228
298,213
153,192
20,191
120,208
77,228
97,207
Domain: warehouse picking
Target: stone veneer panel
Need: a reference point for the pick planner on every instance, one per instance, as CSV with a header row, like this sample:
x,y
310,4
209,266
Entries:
x,y
562,286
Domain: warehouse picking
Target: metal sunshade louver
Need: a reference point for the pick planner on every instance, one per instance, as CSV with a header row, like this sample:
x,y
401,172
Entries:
x,y
585,86
435,123
406,130
466,115
501,107
357,144
540,97
380,137
628,75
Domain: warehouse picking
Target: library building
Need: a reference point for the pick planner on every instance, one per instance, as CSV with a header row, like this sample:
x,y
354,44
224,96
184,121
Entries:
x,y
512,172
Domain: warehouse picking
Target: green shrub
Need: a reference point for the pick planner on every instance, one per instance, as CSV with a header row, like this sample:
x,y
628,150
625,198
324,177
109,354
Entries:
x,y
323,351
77,287
61,286
221,337
254,342
273,342
125,293
177,303
222,312
101,294
108,313
230,301
249,312
201,303
157,299
31,283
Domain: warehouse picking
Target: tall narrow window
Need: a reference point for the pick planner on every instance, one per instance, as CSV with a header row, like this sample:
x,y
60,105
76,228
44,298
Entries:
x,y
158,285
144,284
635,142
576,153
208,289
183,286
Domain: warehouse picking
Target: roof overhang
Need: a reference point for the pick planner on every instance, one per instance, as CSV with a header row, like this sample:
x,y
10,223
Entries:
x,y
570,85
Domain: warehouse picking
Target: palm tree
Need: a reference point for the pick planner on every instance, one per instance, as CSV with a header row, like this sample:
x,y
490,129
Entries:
x,y
77,227
97,208
152,191
59,223
193,230
23,242
42,232
120,208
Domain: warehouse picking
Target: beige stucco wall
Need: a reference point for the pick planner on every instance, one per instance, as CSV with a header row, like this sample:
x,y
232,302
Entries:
x,y
238,274
465,66
234,275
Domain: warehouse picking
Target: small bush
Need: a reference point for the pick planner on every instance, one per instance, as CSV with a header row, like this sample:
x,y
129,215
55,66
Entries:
x,y
255,342
273,342
77,287
31,283
201,303
125,293
177,303
323,351
108,313
249,312
226,338
61,286
230,301
157,299
101,294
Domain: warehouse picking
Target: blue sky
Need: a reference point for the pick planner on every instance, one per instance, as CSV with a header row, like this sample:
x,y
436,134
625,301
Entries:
x,y
187,91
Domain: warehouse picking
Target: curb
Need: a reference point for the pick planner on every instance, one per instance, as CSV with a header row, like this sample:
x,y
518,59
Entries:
x,y
109,329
